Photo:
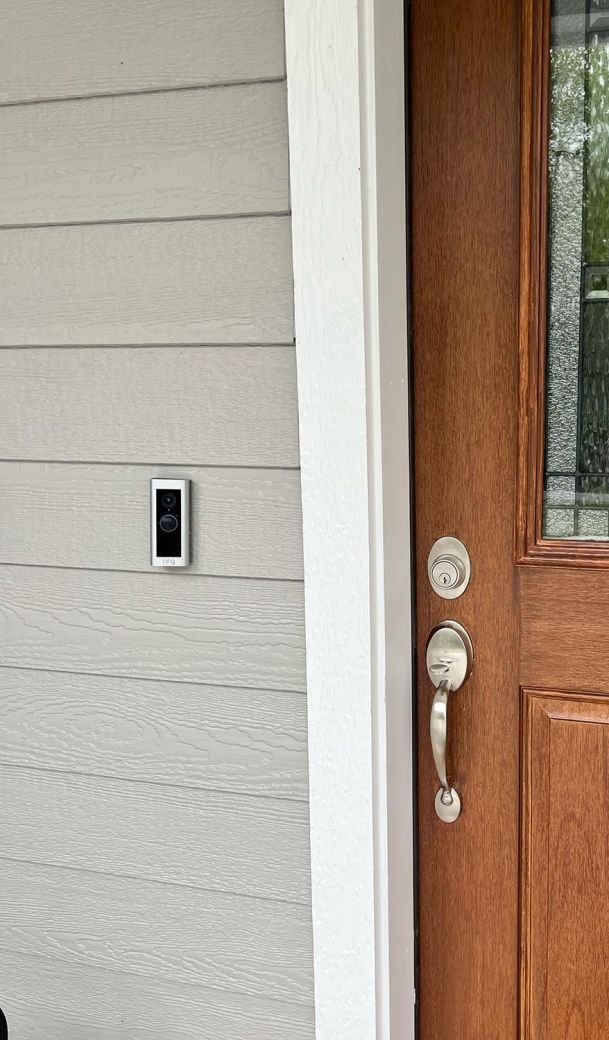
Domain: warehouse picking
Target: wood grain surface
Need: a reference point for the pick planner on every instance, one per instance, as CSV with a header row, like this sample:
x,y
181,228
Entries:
x,y
566,866
534,108
564,628
192,281
465,158
514,913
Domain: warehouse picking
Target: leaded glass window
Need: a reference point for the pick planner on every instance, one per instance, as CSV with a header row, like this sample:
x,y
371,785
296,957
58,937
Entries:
x,y
576,500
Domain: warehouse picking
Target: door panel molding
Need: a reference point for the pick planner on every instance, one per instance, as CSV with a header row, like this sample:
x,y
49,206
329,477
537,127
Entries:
x,y
533,236
563,638
565,787
531,546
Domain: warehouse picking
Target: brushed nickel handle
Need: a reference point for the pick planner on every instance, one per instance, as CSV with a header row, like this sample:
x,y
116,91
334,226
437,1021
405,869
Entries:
x,y
450,658
438,731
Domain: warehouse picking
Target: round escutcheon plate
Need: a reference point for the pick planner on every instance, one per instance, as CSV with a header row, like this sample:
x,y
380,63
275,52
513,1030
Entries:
x,y
449,568
448,811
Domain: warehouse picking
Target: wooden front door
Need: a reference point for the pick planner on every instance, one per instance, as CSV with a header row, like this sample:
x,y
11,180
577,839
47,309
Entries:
x,y
510,304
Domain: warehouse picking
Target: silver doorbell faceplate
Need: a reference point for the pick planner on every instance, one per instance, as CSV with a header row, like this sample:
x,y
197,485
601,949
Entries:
x,y
169,522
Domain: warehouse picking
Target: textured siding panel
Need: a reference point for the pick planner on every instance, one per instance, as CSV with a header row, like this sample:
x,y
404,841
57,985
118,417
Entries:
x,y
246,522
210,406
217,738
193,281
207,839
183,153
163,932
57,1001
155,867
157,626
68,48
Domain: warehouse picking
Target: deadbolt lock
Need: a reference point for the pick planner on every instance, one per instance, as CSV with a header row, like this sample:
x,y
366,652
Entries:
x,y
449,568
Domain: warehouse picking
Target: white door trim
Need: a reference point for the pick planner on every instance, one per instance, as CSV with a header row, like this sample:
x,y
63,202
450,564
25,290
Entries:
x,y
345,67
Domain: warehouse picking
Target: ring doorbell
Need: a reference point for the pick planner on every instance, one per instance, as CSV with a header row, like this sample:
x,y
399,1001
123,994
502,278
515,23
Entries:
x,y
170,523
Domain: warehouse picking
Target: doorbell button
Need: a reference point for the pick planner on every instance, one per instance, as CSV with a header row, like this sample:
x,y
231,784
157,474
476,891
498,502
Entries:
x,y
448,568
169,522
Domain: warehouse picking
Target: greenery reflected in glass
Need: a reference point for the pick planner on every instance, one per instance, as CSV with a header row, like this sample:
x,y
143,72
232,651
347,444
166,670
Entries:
x,y
577,442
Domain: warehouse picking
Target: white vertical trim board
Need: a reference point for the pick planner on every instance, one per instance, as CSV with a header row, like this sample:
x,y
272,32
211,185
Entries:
x,y
346,111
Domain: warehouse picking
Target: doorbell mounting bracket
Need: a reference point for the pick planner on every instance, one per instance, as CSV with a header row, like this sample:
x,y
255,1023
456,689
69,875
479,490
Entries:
x,y
169,522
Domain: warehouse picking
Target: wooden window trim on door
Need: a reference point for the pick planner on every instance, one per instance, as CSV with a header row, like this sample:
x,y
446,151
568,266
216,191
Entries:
x,y
531,546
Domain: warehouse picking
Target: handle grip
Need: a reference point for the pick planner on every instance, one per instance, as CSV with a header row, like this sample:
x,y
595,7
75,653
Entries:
x,y
450,658
448,802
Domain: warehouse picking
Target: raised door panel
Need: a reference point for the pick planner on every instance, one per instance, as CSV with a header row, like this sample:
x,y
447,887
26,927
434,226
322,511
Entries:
x,y
184,153
565,933
189,281
563,639
74,48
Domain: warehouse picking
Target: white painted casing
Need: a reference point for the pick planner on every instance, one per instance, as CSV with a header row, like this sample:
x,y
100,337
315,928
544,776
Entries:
x,y
347,134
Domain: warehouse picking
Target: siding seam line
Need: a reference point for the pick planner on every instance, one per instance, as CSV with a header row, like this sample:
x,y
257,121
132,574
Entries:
x,y
147,881
143,92
203,218
147,678
152,679
119,779
212,576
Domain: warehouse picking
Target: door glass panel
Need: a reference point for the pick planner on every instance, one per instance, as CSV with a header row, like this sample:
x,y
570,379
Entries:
x,y
576,500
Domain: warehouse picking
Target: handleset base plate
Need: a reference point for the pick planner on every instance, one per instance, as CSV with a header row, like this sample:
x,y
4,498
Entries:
x,y
450,658
448,811
450,654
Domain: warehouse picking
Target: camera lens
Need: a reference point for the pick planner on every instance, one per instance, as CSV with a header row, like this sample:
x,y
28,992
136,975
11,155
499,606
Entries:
x,y
168,500
168,523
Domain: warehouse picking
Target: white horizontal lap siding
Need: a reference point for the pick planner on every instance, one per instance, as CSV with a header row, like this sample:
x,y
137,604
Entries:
x,y
210,840
76,48
84,1005
245,522
194,281
219,738
157,625
181,153
144,929
155,866
219,406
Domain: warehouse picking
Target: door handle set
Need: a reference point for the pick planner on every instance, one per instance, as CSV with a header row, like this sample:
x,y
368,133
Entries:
x,y
450,659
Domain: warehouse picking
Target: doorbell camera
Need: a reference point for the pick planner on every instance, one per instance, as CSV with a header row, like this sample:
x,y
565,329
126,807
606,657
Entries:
x,y
169,523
